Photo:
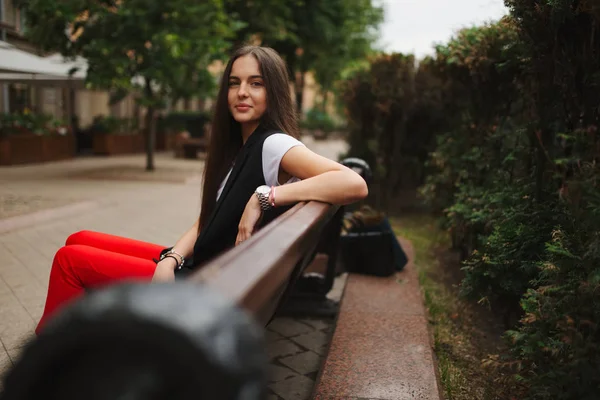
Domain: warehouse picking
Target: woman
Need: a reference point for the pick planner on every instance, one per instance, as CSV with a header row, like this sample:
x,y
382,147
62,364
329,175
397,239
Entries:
x,y
253,148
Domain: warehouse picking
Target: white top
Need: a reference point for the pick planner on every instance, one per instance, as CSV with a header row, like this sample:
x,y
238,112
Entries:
x,y
274,148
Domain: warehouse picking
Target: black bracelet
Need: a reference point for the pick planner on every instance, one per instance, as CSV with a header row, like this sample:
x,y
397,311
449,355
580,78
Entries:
x,y
177,262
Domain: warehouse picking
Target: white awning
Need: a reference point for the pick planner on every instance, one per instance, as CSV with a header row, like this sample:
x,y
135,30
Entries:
x,y
80,63
20,66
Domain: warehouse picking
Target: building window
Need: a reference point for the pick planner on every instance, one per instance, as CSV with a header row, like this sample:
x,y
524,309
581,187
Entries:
x,y
10,15
19,97
22,28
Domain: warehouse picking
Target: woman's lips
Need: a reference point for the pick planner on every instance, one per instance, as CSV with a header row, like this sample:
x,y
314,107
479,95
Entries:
x,y
242,108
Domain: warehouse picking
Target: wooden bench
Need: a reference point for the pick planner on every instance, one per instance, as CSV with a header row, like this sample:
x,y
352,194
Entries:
x,y
201,338
260,273
191,146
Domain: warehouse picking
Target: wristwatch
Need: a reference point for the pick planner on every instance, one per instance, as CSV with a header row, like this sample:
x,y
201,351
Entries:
x,y
263,192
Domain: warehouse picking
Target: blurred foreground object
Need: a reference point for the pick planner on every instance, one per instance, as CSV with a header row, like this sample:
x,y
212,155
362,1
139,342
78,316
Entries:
x,y
144,342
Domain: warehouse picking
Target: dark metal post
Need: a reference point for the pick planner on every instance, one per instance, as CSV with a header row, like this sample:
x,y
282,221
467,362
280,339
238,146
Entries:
x,y
308,296
144,342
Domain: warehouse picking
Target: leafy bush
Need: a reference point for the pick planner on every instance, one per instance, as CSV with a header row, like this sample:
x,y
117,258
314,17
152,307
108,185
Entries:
x,y
316,119
113,125
505,264
389,108
193,122
558,341
27,122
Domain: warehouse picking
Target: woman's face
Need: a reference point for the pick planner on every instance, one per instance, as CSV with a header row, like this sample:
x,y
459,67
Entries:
x,y
247,96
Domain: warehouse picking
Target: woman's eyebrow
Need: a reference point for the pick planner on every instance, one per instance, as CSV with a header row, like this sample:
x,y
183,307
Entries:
x,y
250,77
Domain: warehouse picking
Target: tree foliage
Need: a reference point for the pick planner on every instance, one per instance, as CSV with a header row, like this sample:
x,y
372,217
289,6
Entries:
x,y
324,36
387,106
159,49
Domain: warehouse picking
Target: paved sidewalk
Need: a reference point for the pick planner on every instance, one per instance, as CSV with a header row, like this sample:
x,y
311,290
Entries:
x,y
150,210
296,349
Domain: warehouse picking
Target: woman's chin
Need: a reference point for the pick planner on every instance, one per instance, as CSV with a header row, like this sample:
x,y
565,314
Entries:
x,y
243,119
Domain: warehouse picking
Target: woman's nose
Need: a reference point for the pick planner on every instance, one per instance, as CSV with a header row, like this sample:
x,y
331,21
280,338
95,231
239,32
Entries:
x,y
243,92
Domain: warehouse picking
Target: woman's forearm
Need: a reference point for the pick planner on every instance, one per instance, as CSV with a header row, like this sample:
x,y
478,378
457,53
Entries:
x,y
334,187
185,244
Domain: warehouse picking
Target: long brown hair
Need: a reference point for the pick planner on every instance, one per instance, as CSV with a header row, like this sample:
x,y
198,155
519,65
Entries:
x,y
226,133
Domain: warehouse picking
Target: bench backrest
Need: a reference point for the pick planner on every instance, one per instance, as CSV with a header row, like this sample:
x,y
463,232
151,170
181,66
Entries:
x,y
257,273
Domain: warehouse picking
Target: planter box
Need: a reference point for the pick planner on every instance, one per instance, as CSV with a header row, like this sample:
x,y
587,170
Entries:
x,y
110,144
165,140
30,148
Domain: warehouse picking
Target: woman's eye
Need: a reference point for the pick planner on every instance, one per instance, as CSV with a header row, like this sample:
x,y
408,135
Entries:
x,y
257,84
233,83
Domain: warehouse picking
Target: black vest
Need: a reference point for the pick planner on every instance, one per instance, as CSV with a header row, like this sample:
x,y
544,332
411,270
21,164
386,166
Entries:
x,y
221,228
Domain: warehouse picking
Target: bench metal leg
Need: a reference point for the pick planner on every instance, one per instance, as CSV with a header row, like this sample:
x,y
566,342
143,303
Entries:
x,y
308,298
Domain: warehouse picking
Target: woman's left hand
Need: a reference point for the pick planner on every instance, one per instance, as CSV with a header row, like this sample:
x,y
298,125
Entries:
x,y
250,218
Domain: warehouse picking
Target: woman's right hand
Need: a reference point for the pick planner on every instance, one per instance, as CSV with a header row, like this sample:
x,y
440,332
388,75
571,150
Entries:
x,y
165,270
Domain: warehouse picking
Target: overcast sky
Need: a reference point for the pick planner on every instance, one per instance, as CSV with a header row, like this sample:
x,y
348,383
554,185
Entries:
x,y
413,26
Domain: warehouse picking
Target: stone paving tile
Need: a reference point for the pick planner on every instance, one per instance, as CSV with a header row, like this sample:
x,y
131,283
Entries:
x,y
316,341
277,373
280,348
30,296
20,260
14,354
52,237
37,311
271,336
317,323
4,289
319,397
5,365
296,388
16,325
13,205
304,363
34,238
289,327
5,361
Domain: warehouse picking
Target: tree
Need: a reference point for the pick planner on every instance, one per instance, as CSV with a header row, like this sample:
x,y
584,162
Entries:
x,y
153,47
381,102
319,35
325,36
352,42
271,19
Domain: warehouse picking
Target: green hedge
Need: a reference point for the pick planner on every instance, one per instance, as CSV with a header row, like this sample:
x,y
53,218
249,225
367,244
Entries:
x,y
507,116
316,119
113,125
39,124
193,122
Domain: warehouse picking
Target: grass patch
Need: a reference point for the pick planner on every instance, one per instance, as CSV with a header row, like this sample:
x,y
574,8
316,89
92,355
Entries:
x,y
465,335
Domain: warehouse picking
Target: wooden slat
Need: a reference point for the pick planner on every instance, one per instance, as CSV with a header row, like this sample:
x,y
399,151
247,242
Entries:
x,y
257,272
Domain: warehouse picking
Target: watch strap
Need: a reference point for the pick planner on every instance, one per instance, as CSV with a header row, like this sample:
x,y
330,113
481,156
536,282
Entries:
x,y
263,200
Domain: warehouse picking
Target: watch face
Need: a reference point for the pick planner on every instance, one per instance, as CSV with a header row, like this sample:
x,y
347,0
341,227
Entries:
x,y
264,190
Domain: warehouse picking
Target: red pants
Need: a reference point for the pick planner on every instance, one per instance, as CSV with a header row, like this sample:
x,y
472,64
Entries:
x,y
92,260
